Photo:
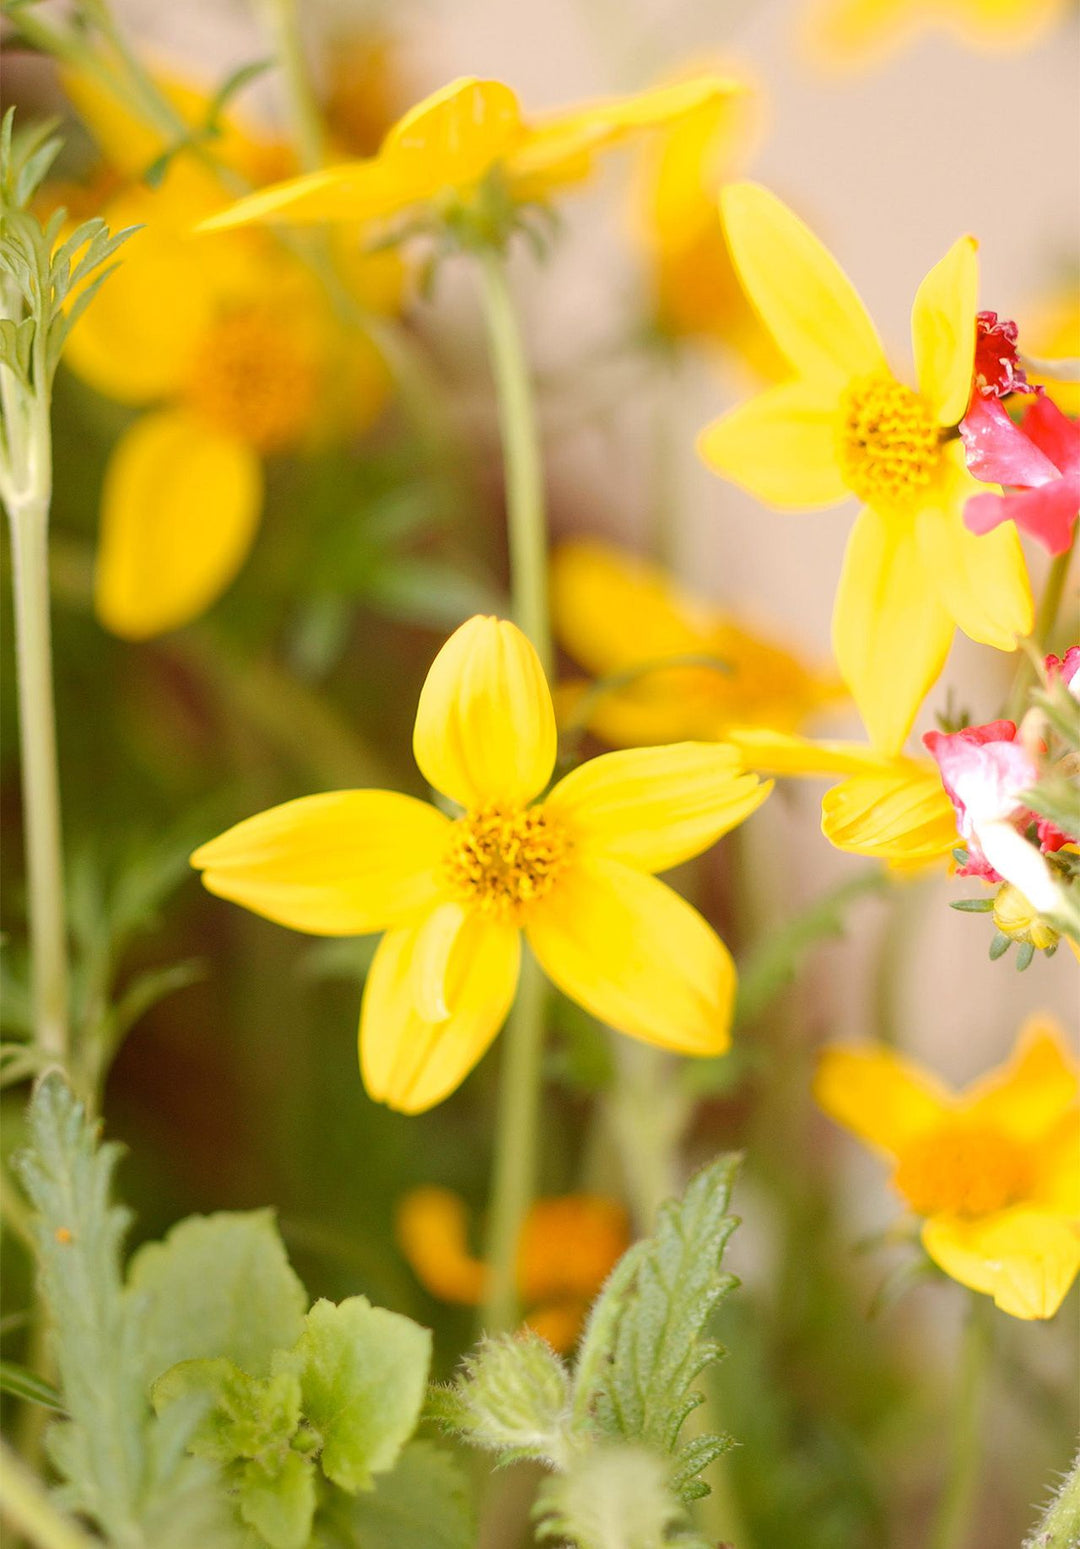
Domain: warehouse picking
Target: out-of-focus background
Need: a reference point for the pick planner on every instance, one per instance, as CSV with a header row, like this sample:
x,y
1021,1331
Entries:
x,y
242,1088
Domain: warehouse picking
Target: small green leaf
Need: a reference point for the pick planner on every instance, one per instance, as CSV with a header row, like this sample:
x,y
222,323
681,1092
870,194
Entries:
x,y
613,1497
1056,798
999,945
1025,952
512,1398
218,1285
422,1504
972,905
278,1500
246,1417
363,1372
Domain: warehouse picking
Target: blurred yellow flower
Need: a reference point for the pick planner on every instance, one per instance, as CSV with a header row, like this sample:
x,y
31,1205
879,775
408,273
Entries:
x,y
1052,333
852,32
843,425
623,618
994,1171
696,291
453,896
444,149
569,1244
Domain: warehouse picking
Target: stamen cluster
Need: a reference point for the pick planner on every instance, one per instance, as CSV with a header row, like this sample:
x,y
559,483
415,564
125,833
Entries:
x,y
253,377
889,446
502,858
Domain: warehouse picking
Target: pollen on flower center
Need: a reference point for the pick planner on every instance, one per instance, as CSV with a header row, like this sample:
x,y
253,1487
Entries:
x,y
252,375
501,858
965,1169
889,446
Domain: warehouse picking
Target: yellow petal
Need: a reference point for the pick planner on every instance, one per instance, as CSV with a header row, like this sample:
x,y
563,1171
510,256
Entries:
x,y
803,296
485,724
411,1063
943,331
431,1227
612,609
1025,1259
901,816
340,864
782,753
635,954
781,446
569,1245
981,580
890,633
655,807
1030,1093
179,509
879,1096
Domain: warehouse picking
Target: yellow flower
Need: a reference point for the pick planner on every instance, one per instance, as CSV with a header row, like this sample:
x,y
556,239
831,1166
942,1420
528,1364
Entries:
x,y
847,32
616,614
1015,917
572,871
569,1245
1052,333
994,1171
845,424
439,154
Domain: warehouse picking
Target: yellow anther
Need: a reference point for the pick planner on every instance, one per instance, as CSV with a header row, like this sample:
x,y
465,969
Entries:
x,y
501,858
887,441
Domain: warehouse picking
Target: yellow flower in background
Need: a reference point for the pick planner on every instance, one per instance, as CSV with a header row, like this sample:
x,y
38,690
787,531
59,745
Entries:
x,y
994,1171
569,1245
853,32
696,291
622,618
439,154
572,871
1052,333
845,425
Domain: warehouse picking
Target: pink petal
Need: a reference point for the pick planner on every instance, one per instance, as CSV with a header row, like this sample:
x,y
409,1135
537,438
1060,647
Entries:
x,y
997,451
1046,514
1053,433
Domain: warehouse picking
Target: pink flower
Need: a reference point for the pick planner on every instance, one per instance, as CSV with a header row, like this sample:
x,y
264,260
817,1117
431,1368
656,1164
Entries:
x,y
997,366
1067,667
1039,459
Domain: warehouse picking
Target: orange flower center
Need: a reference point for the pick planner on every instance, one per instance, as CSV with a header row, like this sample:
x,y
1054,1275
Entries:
x,y
963,1169
501,858
254,377
889,446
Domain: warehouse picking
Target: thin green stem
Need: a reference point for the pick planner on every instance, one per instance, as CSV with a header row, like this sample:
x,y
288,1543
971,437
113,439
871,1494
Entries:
x,y
514,1170
525,516
283,23
1060,1526
25,1505
1045,620
952,1529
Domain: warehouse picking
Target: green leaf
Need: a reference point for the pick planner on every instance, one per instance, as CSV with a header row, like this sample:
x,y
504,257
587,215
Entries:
x,y
511,1398
218,1285
644,1344
1056,798
20,1382
245,1417
363,1372
422,1504
613,1497
278,1501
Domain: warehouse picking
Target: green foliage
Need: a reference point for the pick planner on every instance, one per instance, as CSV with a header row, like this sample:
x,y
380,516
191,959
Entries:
x,y
423,1504
632,1385
21,1383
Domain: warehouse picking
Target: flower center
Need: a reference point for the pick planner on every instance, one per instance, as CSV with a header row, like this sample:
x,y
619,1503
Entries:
x,y
888,444
963,1169
501,858
252,375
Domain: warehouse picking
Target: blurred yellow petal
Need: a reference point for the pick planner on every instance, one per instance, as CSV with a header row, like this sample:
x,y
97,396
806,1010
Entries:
x,y
1030,1093
842,33
341,864
598,589
943,331
432,1230
179,509
781,446
879,1096
781,753
411,1063
559,1323
485,724
635,955
805,299
901,816
655,807
1025,1259
981,579
890,633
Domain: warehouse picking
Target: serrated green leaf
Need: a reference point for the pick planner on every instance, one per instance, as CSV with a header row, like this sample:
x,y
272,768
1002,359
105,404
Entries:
x,y
423,1503
611,1498
644,1344
363,1372
511,1398
217,1286
279,1500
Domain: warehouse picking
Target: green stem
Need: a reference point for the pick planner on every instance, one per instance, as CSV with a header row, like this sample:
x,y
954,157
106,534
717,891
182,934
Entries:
x,y
514,1169
283,23
1045,620
952,1529
525,516
25,1505
1060,1527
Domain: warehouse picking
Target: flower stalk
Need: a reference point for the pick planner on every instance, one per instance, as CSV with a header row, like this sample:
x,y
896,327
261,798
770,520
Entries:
x,y
952,1529
1060,1525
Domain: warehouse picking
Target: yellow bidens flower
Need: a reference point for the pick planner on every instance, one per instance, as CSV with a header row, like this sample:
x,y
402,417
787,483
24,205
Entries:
x,y
624,620
845,425
454,895
847,32
569,1244
994,1171
444,149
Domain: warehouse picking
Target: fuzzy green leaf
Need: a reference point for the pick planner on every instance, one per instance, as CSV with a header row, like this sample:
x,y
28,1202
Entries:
x,y
363,1373
1056,798
277,1499
422,1504
511,1398
218,1285
248,1417
613,1497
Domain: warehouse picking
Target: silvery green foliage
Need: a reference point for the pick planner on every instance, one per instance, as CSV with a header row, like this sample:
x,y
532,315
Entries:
x,y
631,1386
127,1471
613,1497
